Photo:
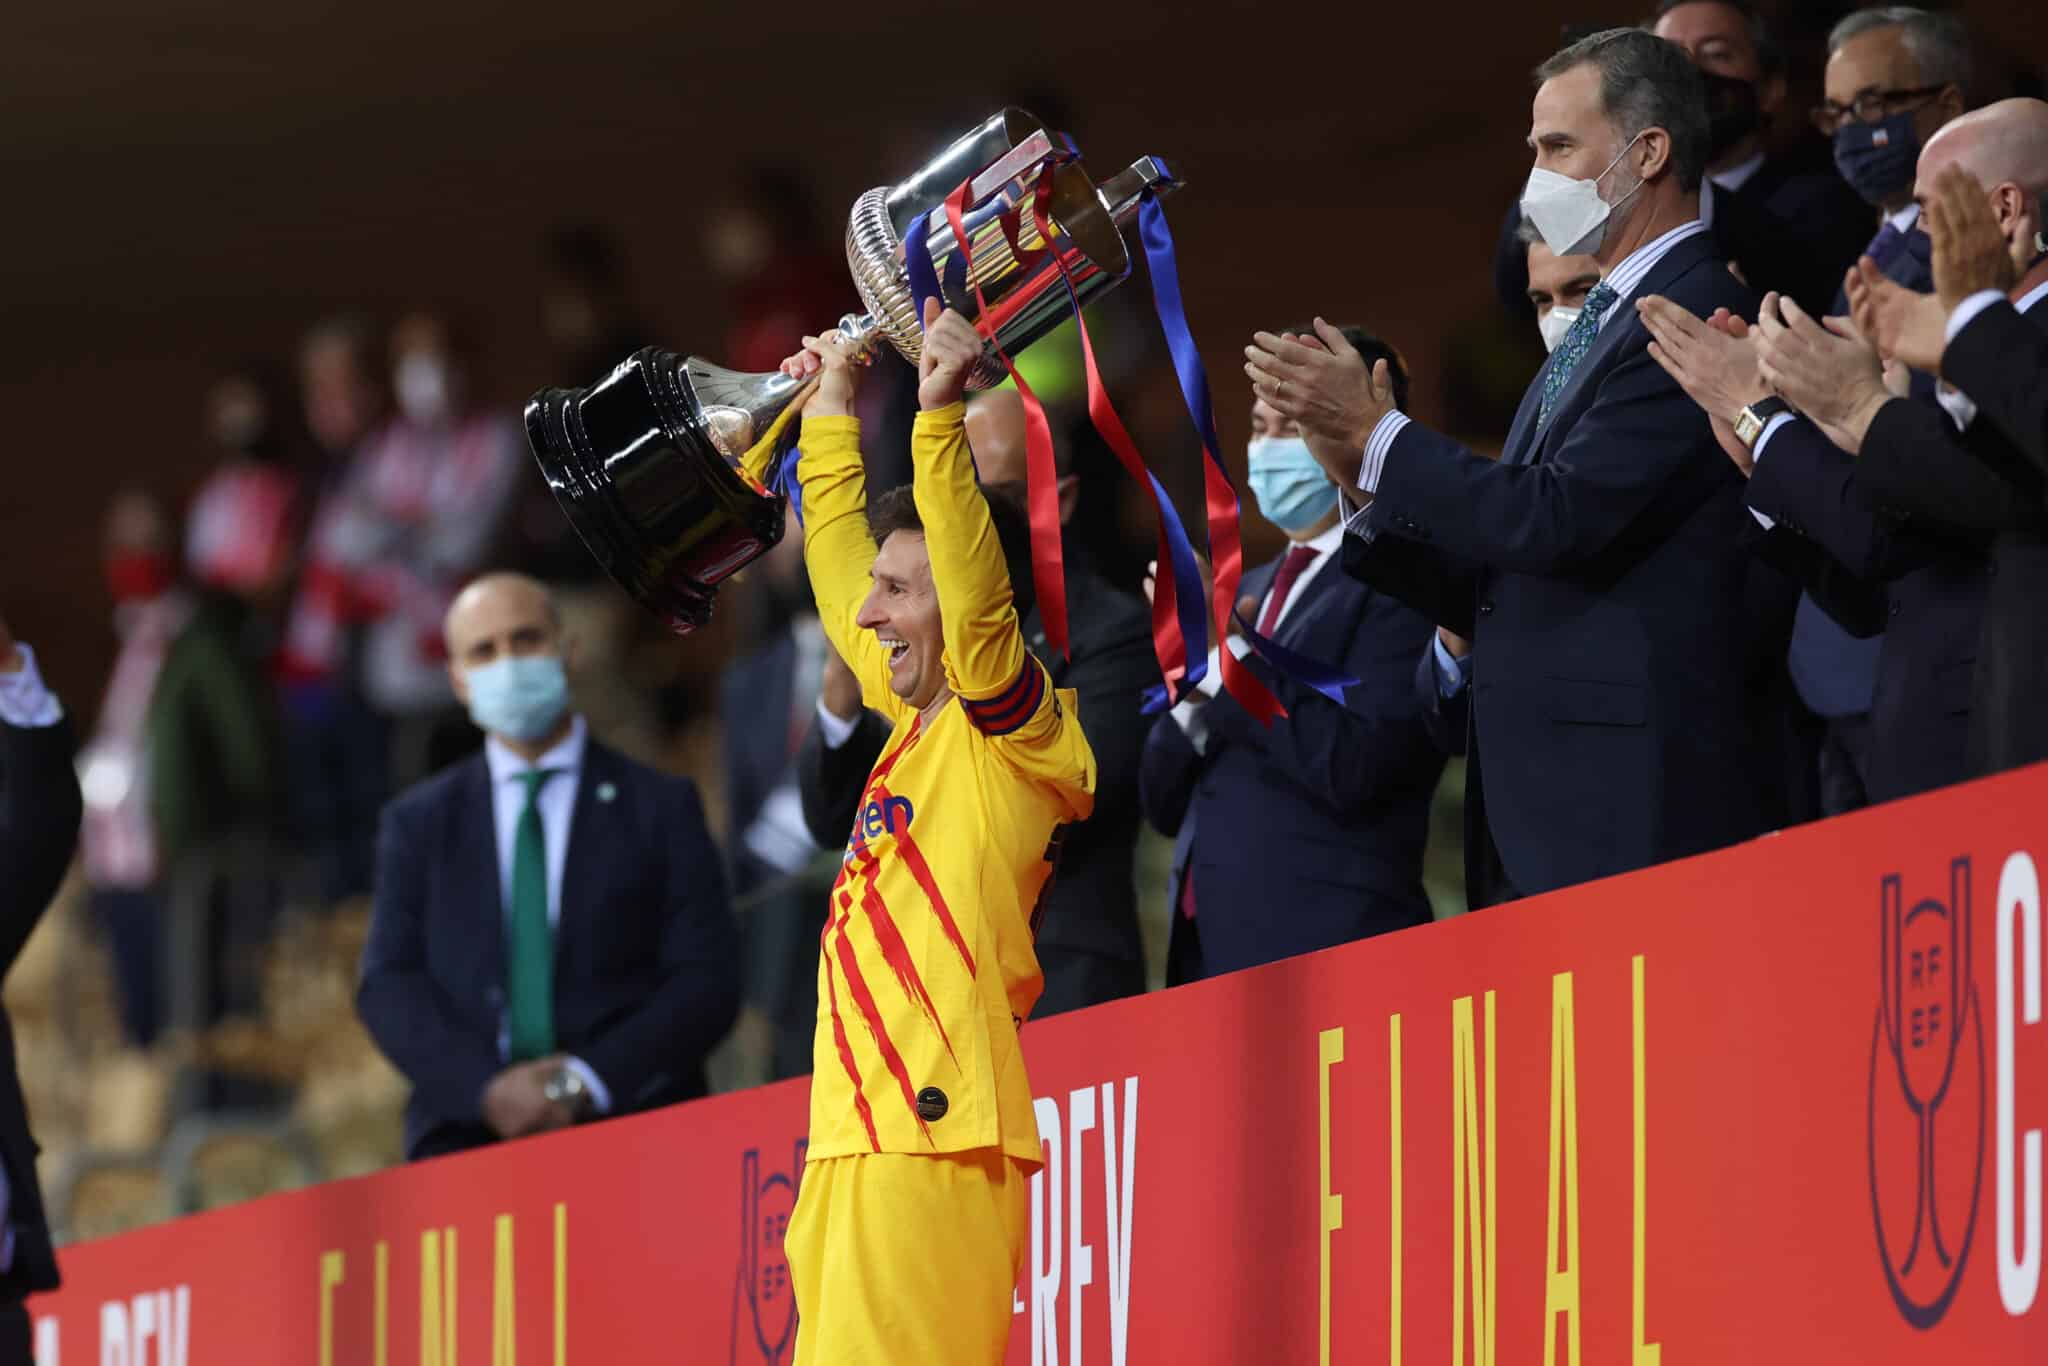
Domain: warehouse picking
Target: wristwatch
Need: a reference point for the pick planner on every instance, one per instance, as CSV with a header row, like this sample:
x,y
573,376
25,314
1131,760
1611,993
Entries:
x,y
1751,421
566,1087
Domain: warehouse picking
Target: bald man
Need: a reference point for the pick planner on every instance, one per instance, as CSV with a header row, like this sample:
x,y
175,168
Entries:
x,y
551,940
1088,942
1970,467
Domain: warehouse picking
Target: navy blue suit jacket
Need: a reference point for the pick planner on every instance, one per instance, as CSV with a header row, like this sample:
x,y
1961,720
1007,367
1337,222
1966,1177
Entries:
x,y
1920,583
646,951
1988,482
1599,569
1309,833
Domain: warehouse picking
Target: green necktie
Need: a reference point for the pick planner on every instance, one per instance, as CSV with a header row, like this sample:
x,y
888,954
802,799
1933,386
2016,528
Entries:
x,y
530,956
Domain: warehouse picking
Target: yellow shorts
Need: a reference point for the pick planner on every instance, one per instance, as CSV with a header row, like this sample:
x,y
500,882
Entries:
x,y
900,1259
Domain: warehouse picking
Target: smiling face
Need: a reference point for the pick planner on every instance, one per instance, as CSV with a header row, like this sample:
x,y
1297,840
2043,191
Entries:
x,y
902,609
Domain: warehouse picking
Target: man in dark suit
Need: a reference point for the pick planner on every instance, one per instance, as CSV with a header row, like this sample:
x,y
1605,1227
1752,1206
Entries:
x,y
1919,580
551,938
1309,832
1088,941
768,696
1597,567
1963,467
39,813
1785,216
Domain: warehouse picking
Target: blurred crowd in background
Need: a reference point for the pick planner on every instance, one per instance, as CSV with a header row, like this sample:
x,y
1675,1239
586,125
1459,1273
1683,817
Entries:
x,y
187,1025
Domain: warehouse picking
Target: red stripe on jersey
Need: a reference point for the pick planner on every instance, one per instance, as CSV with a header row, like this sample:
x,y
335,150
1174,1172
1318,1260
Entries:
x,y
845,1047
913,859
864,1001
896,953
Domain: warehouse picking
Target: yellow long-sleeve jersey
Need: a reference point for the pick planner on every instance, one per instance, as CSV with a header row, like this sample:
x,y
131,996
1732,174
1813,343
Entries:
x,y
927,964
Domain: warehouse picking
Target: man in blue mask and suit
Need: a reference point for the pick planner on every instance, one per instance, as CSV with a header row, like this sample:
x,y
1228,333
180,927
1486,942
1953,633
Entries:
x,y
1307,833
551,940
1598,567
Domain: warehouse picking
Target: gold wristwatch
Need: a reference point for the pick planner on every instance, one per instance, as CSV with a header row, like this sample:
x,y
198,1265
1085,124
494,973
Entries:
x,y
1751,421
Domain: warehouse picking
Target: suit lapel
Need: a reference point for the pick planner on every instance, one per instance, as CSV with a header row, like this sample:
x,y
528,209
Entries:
x,y
1524,425
1620,327
477,857
588,829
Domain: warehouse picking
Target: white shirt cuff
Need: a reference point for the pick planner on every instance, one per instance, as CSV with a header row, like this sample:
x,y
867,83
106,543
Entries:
x,y
1376,447
1187,713
600,1094
1450,670
1763,438
834,729
1967,311
1756,457
24,701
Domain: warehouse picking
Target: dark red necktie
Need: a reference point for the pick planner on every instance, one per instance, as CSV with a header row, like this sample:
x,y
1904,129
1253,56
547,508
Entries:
x,y
1291,568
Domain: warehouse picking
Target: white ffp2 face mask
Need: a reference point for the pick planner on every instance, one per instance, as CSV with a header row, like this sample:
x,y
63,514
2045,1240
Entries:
x,y
1554,324
1570,214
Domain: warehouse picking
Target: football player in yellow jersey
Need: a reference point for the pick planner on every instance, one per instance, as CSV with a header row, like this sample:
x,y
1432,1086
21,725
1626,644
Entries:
x,y
911,1223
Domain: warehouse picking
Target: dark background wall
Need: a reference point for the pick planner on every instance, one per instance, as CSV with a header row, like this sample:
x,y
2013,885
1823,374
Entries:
x,y
189,183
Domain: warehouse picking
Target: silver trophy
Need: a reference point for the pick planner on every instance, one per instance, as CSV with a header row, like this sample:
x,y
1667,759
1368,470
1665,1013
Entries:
x,y
646,463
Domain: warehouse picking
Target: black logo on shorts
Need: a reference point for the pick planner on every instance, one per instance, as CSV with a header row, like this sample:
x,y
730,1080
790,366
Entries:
x,y
1926,1098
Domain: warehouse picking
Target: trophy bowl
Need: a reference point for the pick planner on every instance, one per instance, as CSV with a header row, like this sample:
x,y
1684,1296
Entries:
x,y
665,466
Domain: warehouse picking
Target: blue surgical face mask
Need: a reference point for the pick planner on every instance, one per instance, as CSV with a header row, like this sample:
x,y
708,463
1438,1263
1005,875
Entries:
x,y
1878,159
1293,492
519,697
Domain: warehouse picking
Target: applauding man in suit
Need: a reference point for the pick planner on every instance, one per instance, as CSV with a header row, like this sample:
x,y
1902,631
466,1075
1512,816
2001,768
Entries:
x,y
552,937
1598,567
1307,833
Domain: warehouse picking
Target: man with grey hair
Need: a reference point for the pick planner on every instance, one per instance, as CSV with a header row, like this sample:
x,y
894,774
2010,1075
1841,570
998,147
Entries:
x,y
1598,566
1894,76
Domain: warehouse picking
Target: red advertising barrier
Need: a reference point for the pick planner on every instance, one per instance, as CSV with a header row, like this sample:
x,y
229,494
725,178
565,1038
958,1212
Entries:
x,y
1778,1104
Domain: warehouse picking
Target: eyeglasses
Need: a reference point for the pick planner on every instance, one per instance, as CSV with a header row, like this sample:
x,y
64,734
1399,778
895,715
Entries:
x,y
1872,106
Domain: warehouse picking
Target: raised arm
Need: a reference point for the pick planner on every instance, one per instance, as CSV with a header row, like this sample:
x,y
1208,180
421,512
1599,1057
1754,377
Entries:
x,y
985,653
838,551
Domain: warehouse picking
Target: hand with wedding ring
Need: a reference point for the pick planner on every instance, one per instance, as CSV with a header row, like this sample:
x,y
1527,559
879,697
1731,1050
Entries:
x,y
1323,384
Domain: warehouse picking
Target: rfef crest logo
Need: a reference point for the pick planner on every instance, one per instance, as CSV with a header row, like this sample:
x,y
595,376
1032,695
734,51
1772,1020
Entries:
x,y
763,1301
1926,1097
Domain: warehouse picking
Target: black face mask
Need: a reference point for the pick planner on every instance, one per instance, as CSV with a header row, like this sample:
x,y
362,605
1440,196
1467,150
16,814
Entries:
x,y
1732,112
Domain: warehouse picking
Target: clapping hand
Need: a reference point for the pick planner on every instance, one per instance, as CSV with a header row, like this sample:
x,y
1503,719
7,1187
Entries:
x,y
1907,326
1827,372
1716,367
1323,384
1970,253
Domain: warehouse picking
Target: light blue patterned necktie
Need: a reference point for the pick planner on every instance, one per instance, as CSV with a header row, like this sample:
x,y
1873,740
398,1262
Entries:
x,y
1578,340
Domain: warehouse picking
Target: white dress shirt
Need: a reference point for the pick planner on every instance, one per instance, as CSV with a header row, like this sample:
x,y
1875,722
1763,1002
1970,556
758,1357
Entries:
x,y
24,702
1327,544
1958,405
1623,280
557,803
